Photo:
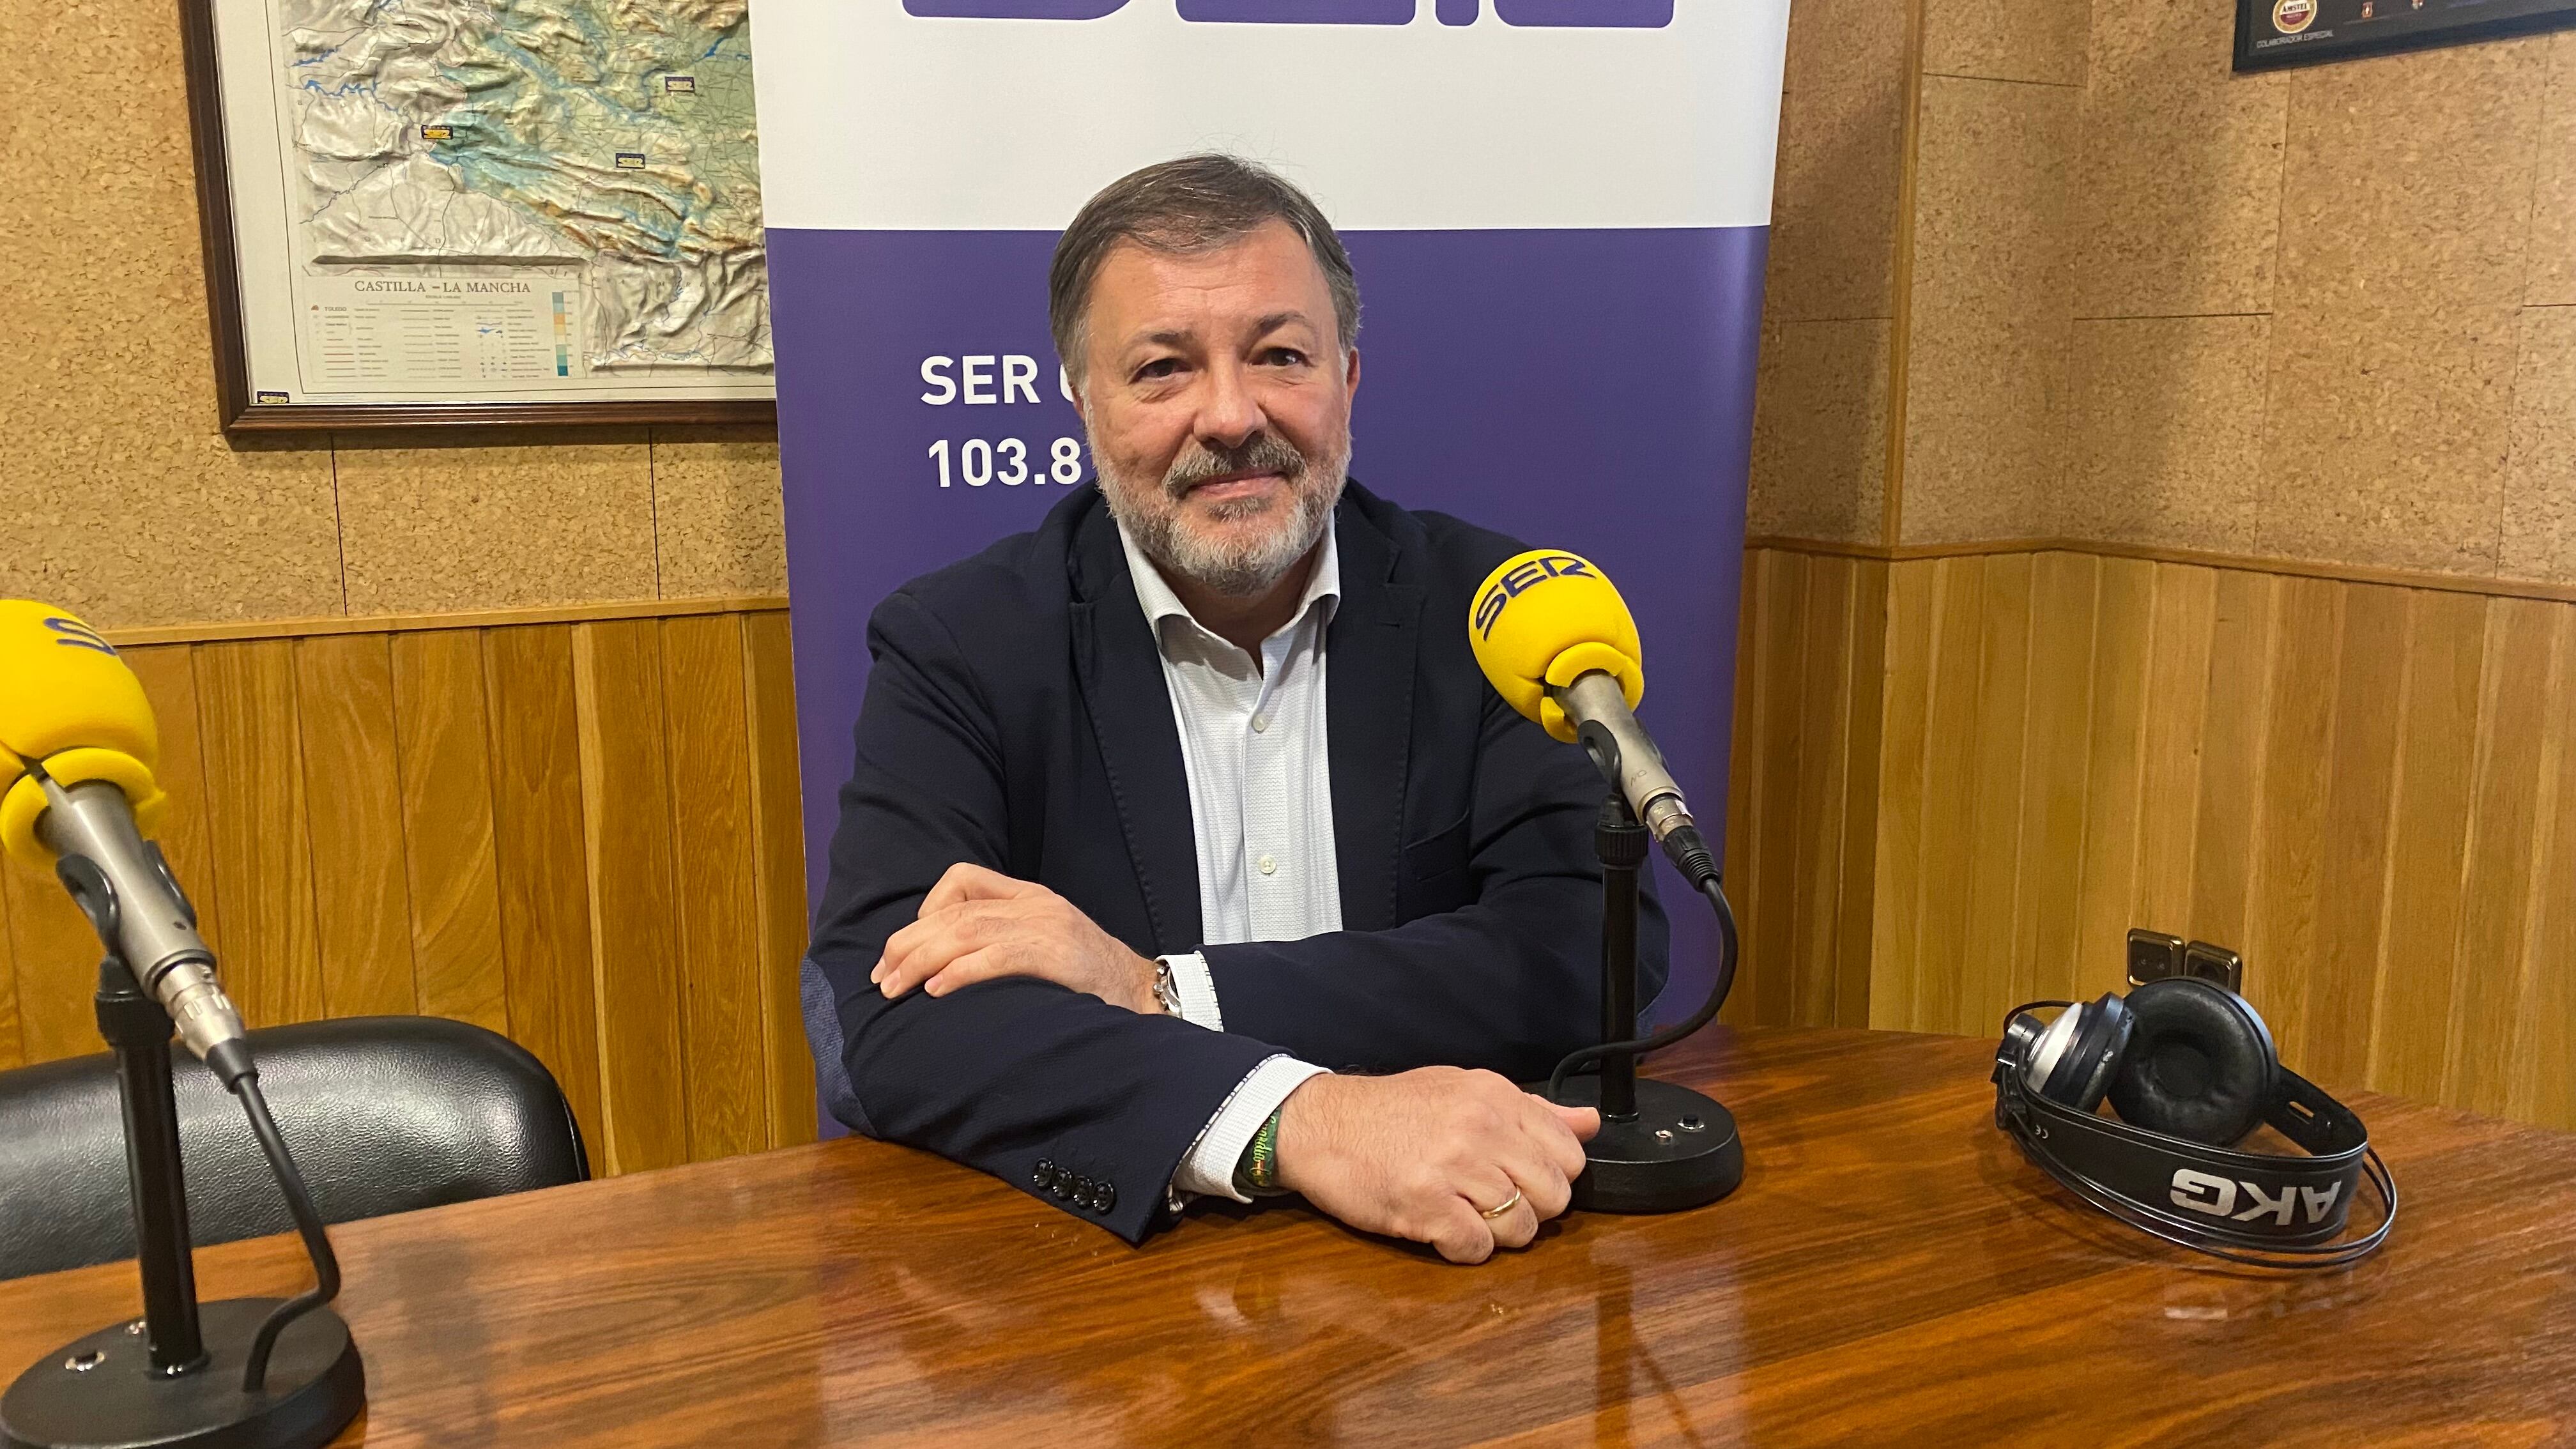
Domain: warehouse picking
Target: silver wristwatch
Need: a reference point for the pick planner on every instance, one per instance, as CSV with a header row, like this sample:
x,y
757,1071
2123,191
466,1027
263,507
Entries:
x,y
1166,990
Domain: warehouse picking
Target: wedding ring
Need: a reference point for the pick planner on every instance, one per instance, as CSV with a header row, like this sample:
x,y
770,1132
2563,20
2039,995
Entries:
x,y
1500,1208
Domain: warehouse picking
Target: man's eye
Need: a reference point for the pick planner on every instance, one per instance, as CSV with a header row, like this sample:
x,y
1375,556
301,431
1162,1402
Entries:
x,y
1284,357
1160,367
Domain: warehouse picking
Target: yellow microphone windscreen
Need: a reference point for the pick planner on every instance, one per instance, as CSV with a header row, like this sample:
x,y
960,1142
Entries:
x,y
68,702
1543,617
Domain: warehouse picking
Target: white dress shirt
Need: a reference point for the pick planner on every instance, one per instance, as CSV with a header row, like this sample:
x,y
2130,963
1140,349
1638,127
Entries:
x,y
1254,744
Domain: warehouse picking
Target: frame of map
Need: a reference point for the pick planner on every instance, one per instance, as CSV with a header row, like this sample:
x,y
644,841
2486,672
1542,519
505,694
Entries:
x,y
479,212
2272,33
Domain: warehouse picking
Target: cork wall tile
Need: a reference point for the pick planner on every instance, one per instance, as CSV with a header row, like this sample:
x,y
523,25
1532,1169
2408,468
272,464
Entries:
x,y
1986,364
1834,192
2014,40
717,521
2165,432
2178,182
118,496
2550,276
2393,344
523,519
1820,431
2539,535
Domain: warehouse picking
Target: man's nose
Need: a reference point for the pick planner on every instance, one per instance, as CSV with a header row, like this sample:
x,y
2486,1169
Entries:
x,y
1228,413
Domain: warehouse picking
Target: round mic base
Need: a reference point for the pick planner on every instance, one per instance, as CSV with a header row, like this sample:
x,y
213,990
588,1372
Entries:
x,y
101,1391
1679,1151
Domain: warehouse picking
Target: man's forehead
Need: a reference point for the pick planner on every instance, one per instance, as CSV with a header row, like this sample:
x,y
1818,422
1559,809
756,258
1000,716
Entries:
x,y
1268,276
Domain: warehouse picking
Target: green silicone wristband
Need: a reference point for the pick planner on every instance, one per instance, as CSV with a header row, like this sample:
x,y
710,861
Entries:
x,y
1257,1173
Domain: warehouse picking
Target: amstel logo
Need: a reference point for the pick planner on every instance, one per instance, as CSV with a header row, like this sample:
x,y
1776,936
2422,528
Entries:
x,y
2292,16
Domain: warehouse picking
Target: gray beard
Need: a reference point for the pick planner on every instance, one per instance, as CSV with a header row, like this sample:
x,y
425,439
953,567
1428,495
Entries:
x,y
1233,571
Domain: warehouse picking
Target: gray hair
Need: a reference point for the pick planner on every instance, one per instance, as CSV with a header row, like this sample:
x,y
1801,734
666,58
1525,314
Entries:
x,y
1185,207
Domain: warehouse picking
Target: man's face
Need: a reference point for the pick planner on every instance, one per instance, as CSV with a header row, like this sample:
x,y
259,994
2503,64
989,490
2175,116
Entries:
x,y
1218,401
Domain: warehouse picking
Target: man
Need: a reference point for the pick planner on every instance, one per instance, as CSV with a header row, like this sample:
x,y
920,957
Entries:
x,y
1166,808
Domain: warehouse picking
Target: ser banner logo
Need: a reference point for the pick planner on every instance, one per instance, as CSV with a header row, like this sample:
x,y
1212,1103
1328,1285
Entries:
x,y
1561,14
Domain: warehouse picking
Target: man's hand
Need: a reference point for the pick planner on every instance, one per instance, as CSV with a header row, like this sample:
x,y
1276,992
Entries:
x,y
1423,1154
977,924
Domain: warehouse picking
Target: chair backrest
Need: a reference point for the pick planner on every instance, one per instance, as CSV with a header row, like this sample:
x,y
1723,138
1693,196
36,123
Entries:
x,y
383,1114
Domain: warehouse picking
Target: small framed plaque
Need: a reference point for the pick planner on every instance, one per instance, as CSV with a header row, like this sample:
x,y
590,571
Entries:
x,y
2272,33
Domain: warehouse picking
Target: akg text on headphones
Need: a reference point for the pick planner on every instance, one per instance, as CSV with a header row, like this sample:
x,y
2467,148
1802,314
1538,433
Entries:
x,y
2191,1071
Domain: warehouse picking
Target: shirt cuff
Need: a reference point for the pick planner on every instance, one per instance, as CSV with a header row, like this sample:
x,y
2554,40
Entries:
x,y
1208,1167
1196,986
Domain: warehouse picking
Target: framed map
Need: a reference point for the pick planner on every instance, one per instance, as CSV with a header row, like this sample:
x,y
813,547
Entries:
x,y
2273,33
480,211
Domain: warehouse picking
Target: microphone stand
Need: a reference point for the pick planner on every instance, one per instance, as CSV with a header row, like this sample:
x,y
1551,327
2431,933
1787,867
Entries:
x,y
175,1376
1662,1147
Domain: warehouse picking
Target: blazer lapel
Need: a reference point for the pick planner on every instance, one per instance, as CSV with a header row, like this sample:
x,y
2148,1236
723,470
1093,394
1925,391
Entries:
x,y
1121,678
1368,706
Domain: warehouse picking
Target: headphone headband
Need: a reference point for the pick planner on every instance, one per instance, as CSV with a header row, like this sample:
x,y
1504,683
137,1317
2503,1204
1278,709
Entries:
x,y
2291,1201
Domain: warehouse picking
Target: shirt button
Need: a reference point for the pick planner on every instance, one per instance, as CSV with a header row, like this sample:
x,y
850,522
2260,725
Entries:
x,y
1266,865
1260,722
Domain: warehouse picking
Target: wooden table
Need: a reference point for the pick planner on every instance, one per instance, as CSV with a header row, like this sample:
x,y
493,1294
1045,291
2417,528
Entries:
x,y
1891,1272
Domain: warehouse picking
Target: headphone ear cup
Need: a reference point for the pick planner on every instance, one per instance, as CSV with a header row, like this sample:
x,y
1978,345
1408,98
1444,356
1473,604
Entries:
x,y
2200,1064
2083,1059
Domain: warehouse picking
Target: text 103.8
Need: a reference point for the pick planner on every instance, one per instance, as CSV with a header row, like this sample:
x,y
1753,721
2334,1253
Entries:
x,y
978,461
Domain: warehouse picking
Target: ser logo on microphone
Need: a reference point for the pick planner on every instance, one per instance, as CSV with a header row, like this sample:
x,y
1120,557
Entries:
x,y
1512,585
77,635
2204,1192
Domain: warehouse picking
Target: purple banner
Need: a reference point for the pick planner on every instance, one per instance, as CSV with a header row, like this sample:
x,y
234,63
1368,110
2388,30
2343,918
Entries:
x,y
1581,389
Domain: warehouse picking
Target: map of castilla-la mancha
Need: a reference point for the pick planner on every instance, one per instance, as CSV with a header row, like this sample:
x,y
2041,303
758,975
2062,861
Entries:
x,y
617,136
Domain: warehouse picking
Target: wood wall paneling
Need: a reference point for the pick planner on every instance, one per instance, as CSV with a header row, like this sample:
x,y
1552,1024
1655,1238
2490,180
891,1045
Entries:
x,y
1992,865
543,862
1865,713
1777,697
2542,1085
55,960
2234,707
1823,700
2428,843
2114,773
778,813
715,853
584,836
2366,789
344,702
450,860
1802,838
2055,766
169,675
2503,842
1939,877
1904,732
634,912
12,1044
2291,801
255,808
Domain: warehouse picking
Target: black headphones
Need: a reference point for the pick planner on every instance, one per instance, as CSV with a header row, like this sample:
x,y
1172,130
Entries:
x,y
2191,1070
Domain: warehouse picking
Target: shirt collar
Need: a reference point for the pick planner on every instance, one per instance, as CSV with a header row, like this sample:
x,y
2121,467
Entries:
x,y
1323,587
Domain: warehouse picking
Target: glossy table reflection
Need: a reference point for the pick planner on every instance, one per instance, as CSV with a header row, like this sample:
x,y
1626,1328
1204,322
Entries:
x,y
1891,1272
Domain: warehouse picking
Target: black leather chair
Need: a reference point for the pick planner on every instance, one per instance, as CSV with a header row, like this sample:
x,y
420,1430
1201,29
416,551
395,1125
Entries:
x,y
383,1113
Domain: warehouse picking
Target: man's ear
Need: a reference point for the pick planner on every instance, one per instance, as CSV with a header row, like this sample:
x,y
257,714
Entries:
x,y
1351,369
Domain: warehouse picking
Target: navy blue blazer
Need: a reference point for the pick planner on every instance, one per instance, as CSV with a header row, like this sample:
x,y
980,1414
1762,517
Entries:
x,y
1016,717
